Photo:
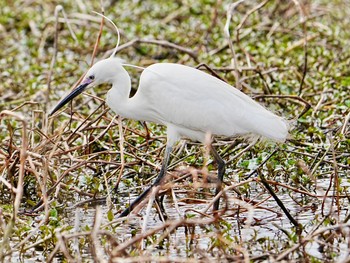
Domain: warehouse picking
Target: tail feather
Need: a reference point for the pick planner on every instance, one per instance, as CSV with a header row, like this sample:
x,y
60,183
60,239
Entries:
x,y
272,126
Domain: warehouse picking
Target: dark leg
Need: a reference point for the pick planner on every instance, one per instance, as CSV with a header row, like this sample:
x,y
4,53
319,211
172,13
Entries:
x,y
156,182
159,201
221,172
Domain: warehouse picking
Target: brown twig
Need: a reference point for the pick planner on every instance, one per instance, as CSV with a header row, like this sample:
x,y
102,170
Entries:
x,y
54,57
336,186
55,48
310,237
239,27
229,15
122,158
307,105
163,43
19,189
262,164
210,70
173,223
98,39
303,21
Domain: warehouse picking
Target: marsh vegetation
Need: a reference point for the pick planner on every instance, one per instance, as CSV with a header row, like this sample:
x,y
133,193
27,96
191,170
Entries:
x,y
64,180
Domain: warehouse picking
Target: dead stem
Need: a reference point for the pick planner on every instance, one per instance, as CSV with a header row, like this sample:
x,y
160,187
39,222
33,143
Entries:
x,y
163,43
18,191
229,14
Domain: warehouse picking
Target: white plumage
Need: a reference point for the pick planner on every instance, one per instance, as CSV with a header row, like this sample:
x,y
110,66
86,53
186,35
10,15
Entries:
x,y
188,101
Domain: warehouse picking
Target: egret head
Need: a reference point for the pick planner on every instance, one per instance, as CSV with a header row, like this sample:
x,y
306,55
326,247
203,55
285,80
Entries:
x,y
103,71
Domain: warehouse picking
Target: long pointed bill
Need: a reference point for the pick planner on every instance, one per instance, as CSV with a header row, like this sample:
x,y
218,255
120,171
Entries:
x,y
75,92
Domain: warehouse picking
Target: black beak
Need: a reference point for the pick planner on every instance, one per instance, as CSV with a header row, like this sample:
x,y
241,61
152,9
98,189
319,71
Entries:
x,y
75,92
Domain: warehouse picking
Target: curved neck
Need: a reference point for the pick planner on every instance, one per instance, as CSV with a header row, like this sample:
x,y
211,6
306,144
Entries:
x,y
118,95
122,84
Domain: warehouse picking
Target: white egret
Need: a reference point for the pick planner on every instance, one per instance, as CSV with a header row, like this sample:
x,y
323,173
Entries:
x,y
189,102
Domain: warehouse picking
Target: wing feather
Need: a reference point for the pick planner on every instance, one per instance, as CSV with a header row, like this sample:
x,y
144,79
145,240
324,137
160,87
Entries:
x,y
189,98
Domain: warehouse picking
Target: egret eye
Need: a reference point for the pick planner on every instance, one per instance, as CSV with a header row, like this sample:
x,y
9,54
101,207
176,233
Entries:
x,y
92,77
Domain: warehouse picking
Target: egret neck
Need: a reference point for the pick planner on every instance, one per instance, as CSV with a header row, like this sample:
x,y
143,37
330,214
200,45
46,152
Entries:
x,y
118,96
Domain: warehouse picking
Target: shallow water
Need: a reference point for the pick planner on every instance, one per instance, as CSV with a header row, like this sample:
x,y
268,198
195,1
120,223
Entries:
x,y
263,232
